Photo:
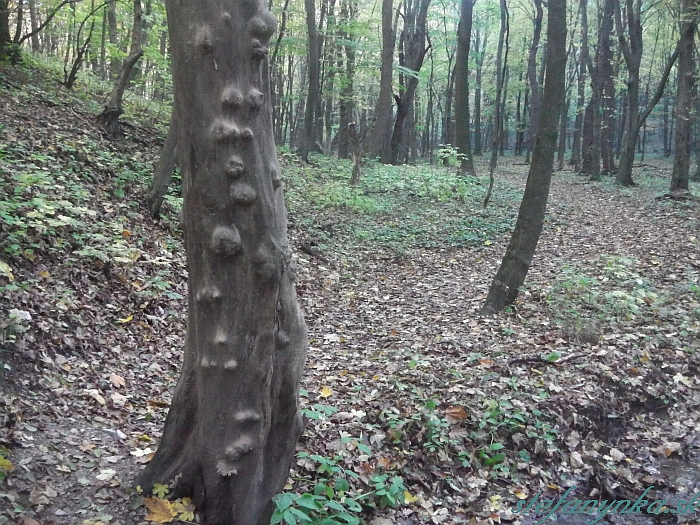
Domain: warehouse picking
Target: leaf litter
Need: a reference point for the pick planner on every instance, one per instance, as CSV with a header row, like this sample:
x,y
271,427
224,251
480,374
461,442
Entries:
x,y
590,380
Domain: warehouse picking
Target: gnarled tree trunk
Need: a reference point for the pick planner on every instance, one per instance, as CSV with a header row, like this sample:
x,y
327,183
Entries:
x,y
516,262
109,118
234,420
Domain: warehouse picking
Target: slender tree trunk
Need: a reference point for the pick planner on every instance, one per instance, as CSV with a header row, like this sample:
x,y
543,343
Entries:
x,y
561,152
109,118
501,65
516,262
480,50
607,88
412,55
313,87
164,170
115,65
535,98
379,143
575,159
19,21
5,37
464,37
234,419
34,18
347,105
684,97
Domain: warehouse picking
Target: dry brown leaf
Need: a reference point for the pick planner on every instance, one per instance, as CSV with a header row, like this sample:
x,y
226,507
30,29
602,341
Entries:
x,y
117,380
160,510
455,414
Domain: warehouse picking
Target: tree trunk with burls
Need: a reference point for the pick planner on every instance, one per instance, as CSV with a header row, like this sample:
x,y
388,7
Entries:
x,y
234,421
516,262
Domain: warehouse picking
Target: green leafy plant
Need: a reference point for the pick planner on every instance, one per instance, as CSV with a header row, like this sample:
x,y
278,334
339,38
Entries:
x,y
333,500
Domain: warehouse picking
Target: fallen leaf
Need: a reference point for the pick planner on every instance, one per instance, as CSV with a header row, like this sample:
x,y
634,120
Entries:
x,y
326,392
160,510
668,448
125,320
117,380
408,498
455,414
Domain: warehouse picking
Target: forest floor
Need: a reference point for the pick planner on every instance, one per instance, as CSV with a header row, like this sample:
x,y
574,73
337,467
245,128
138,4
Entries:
x,y
590,381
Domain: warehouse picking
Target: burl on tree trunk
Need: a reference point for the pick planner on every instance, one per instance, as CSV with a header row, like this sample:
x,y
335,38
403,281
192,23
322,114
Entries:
x,y
234,421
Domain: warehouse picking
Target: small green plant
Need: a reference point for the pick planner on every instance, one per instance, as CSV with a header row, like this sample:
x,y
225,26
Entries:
x,y
333,500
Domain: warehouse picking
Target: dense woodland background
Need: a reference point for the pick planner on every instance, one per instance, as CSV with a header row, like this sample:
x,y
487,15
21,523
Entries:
x,y
396,71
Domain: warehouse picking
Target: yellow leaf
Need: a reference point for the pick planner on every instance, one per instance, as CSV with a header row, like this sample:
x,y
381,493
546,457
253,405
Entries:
x,y
408,498
160,510
488,243
44,274
126,319
520,494
185,509
6,465
326,392
6,270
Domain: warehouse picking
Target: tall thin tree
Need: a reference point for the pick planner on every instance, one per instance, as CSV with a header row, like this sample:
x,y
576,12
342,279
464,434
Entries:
x,y
516,262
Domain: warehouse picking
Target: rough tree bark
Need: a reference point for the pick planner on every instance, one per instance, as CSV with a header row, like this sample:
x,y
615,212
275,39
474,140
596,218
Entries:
x,y
5,37
607,88
535,94
516,262
313,88
411,56
462,138
630,37
109,118
164,170
684,97
234,420
378,144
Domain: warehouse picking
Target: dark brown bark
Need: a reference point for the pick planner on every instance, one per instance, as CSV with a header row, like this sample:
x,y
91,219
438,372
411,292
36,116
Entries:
x,y
109,118
234,420
516,262
462,138
313,86
590,150
5,37
684,97
115,65
379,143
631,43
164,171
412,52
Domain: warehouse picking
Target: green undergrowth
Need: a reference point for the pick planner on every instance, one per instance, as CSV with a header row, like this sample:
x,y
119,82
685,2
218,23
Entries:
x,y
396,207
618,290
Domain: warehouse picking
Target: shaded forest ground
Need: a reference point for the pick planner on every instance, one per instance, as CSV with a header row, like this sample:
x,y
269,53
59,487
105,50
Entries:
x,y
589,381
